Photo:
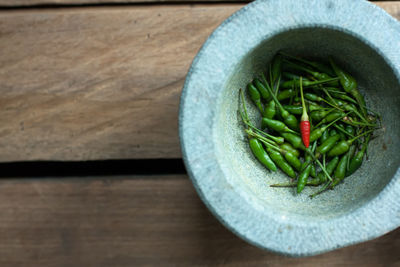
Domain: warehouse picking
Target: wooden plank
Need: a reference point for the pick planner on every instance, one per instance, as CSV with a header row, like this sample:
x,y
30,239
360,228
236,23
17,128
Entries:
x,y
24,3
99,83
11,3
135,221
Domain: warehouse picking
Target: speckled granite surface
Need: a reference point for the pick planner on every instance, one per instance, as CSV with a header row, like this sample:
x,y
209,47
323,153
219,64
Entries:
x,y
233,185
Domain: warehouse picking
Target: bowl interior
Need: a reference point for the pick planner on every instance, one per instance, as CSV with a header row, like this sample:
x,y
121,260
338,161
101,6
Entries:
x,y
380,86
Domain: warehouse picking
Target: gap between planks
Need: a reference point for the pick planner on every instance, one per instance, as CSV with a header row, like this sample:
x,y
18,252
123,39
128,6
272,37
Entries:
x,y
134,220
99,83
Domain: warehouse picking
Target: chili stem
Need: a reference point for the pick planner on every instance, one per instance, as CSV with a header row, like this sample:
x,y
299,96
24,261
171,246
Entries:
x,y
262,139
343,131
244,104
304,116
355,138
356,123
328,94
261,132
272,93
321,190
246,120
320,164
337,119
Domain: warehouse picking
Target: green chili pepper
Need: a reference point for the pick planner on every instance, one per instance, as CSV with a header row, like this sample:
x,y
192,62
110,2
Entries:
x,y
317,75
342,132
339,149
318,115
294,109
314,97
349,85
314,106
288,147
351,153
291,76
350,129
340,170
307,159
302,180
305,171
306,83
331,90
290,157
279,160
315,158
313,171
357,160
346,80
255,96
313,182
294,140
344,104
270,110
343,97
342,135
276,68
261,88
317,132
245,119
316,65
344,145
333,132
285,94
276,125
331,117
289,119
330,167
275,139
321,177
324,136
328,144
350,107
259,152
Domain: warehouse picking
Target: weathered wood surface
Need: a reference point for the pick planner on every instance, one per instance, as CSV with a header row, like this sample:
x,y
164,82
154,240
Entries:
x,y
10,3
99,83
135,221
24,3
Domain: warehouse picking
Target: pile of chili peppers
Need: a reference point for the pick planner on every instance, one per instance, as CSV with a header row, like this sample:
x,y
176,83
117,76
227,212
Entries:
x,y
315,125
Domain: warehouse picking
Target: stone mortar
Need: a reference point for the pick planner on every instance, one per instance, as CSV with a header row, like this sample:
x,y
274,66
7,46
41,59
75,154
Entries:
x,y
235,187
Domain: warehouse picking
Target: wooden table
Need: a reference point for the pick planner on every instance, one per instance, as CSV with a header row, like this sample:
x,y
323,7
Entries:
x,y
94,85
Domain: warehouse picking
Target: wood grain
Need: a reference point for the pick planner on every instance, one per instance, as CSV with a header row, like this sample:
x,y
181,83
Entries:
x,y
136,221
99,83
25,3
11,3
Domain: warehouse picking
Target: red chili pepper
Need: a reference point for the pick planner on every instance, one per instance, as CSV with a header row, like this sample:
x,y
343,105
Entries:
x,y
304,122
